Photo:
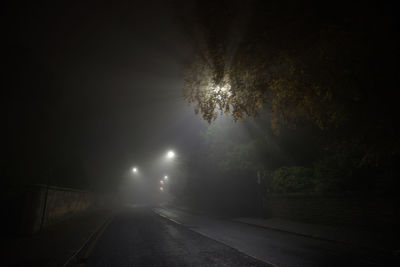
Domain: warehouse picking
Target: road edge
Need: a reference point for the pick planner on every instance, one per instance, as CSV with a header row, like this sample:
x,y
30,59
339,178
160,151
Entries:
x,y
210,237
76,258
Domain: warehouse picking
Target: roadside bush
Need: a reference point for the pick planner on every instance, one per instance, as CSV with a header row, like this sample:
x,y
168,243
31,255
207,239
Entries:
x,y
291,180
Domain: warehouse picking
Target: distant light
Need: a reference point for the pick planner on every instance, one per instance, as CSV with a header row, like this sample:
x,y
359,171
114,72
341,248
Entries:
x,y
161,182
165,177
134,169
161,189
170,154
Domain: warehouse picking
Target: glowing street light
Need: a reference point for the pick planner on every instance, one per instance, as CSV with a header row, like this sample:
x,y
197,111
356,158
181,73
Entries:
x,y
161,182
134,170
165,177
170,154
161,189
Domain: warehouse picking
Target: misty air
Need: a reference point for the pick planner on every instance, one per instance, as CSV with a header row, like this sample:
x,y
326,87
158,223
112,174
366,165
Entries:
x,y
200,133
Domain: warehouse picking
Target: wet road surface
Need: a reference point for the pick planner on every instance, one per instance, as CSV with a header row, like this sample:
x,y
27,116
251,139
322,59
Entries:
x,y
277,247
139,237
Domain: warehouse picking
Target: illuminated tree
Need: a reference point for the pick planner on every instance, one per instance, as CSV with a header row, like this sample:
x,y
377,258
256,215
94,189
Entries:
x,y
302,62
240,77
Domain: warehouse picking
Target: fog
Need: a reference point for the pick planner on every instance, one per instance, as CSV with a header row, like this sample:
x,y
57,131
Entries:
x,y
156,121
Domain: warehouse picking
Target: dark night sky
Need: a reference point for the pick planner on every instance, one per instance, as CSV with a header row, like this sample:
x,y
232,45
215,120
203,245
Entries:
x,y
94,81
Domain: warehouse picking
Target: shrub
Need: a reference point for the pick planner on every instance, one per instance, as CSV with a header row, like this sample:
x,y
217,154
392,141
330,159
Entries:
x,y
292,180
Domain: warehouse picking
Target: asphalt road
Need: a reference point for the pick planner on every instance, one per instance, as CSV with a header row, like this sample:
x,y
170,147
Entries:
x,y
140,237
167,237
277,247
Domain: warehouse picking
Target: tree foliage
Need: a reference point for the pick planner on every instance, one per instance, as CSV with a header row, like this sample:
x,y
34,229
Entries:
x,y
291,180
302,61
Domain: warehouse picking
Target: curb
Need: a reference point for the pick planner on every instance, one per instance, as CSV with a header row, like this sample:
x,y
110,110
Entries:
x,y
395,252
210,237
319,238
79,257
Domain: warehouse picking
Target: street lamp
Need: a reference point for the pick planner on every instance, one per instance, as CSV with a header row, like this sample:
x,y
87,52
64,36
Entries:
x,y
161,189
134,170
161,182
165,177
170,154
